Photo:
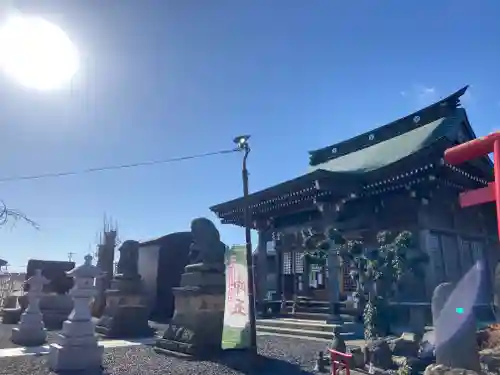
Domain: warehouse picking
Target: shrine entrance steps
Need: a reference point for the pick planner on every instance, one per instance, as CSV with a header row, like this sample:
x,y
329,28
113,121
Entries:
x,y
307,308
307,328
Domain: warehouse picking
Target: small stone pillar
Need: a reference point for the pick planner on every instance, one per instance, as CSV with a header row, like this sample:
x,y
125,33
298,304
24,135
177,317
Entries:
x,y
338,343
76,348
31,330
455,330
126,314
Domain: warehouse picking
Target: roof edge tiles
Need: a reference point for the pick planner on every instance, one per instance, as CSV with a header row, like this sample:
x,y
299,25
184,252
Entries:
x,y
443,108
305,181
394,149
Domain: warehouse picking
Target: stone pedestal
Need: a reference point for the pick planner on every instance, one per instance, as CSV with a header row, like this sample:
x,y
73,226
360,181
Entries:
x,y
55,309
76,348
126,314
11,316
31,330
196,327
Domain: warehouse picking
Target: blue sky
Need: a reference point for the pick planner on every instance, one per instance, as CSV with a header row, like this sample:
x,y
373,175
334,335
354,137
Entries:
x,y
173,78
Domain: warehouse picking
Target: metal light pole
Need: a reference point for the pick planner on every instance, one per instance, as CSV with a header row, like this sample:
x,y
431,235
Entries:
x,y
242,143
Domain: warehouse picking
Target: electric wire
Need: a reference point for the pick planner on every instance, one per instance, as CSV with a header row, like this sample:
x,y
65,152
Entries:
x,y
115,167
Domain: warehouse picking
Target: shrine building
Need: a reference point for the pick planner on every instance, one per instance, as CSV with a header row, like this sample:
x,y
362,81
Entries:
x,y
390,178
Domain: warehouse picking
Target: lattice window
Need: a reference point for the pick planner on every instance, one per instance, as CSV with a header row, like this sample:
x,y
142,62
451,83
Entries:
x,y
349,285
315,267
287,263
299,263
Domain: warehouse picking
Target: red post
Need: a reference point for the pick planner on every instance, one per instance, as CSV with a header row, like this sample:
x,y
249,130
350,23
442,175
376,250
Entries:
x,y
496,165
340,361
476,149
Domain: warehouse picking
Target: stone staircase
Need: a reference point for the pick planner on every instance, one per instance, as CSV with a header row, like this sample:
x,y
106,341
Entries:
x,y
307,308
306,328
310,319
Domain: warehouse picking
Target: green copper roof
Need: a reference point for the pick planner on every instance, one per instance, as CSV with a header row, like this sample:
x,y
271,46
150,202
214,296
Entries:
x,y
392,150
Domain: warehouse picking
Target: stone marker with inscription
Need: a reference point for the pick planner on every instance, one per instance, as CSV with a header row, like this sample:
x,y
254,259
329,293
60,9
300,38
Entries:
x,y
31,330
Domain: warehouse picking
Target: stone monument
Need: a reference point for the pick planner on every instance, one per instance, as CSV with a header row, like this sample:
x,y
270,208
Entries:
x,y
76,348
196,327
105,261
31,330
126,313
455,331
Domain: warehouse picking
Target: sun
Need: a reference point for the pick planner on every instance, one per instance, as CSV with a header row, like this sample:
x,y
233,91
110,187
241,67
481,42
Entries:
x,y
37,53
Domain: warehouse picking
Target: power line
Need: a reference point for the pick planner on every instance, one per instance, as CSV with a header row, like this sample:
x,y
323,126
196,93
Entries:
x,y
115,167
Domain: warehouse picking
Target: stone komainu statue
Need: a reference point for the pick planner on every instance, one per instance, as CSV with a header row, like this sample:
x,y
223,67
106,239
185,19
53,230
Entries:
x,y
206,247
129,259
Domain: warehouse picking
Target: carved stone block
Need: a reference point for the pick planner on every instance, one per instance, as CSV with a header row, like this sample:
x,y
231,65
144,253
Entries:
x,y
196,327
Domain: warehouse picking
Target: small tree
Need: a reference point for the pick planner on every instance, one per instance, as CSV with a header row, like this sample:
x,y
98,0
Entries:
x,y
7,214
376,272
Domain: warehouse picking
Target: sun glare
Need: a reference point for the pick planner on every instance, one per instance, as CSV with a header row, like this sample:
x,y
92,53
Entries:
x,y
37,53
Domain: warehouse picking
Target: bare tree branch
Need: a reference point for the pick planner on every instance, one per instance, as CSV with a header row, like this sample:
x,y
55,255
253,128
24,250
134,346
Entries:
x,y
7,214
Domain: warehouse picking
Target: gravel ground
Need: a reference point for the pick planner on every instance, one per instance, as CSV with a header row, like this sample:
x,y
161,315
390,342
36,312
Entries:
x,y
5,333
6,329
278,356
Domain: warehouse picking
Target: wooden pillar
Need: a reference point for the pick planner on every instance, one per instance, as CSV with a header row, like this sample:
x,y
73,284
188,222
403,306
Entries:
x,y
329,212
335,281
261,281
278,247
304,278
279,271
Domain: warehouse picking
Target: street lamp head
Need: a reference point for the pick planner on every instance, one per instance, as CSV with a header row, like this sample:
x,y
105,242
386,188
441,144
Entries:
x,y
241,141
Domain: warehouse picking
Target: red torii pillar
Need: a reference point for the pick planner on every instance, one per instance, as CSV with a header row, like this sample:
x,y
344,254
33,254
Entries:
x,y
476,149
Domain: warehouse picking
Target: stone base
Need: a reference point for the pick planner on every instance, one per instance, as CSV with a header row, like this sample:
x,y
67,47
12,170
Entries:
x,y
75,358
205,268
126,285
54,319
188,343
55,309
11,316
196,327
176,348
125,322
31,331
10,302
28,337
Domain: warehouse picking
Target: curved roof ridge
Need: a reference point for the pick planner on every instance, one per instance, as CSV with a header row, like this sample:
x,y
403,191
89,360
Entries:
x,y
443,108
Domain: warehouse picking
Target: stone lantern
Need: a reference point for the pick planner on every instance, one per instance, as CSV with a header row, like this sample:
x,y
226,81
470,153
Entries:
x,y
76,347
